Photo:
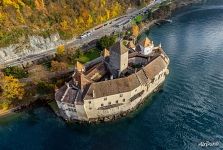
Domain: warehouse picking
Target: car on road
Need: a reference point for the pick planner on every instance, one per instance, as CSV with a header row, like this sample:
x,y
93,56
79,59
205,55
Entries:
x,y
89,33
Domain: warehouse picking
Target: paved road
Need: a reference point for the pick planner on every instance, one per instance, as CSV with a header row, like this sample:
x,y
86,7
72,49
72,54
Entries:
x,y
106,29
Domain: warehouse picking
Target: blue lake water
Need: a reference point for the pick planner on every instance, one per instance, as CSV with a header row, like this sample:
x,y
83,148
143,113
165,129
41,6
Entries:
x,y
188,111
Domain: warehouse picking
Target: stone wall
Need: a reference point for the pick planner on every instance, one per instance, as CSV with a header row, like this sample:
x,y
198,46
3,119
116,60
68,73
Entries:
x,y
94,113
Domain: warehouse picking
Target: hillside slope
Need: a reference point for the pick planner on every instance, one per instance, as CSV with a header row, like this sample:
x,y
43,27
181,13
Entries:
x,y
20,18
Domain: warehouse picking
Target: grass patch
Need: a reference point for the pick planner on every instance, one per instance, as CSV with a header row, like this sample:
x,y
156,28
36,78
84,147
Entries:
x,y
88,56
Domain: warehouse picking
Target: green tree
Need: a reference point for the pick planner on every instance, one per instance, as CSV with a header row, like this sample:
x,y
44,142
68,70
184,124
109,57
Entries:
x,y
106,42
16,72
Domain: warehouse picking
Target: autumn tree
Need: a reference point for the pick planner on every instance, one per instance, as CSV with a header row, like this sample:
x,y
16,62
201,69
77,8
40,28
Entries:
x,y
135,30
58,66
39,4
60,50
38,73
12,88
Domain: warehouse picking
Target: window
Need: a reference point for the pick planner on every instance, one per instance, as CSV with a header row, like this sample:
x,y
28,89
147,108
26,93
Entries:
x,y
117,102
109,103
105,98
89,102
136,90
102,105
90,108
121,95
123,100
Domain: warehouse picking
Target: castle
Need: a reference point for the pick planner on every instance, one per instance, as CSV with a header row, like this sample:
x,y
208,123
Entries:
x,y
113,84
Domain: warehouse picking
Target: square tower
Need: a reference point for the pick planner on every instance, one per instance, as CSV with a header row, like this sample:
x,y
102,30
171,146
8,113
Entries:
x,y
119,56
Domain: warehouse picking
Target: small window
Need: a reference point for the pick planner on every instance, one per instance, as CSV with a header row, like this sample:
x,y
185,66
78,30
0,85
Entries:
x,y
109,103
117,102
102,105
89,102
123,100
105,98
121,95
90,108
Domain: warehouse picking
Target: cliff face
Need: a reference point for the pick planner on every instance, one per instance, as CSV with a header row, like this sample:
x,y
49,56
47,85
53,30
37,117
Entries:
x,y
34,45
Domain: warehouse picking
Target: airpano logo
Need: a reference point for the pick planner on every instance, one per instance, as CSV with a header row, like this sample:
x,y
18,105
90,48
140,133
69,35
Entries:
x,y
209,144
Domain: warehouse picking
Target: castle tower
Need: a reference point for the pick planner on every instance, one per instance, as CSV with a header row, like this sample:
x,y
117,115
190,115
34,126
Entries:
x,y
81,80
79,66
105,53
146,46
119,56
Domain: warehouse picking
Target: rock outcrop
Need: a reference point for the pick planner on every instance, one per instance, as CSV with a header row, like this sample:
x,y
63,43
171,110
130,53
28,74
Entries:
x,y
34,45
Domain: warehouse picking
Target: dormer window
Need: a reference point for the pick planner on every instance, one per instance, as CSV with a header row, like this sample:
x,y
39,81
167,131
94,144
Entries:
x,y
105,98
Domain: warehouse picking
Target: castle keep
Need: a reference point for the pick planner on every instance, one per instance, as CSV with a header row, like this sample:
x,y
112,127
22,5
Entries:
x,y
114,84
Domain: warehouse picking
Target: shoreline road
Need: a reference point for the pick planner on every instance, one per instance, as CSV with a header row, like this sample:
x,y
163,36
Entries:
x,y
106,28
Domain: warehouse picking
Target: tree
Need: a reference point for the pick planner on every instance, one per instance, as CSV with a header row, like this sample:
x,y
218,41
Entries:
x,y
60,50
16,72
64,25
135,30
58,66
12,88
39,4
106,42
38,73
44,88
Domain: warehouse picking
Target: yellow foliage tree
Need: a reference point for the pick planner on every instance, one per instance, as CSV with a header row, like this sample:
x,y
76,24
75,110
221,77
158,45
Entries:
x,y
64,25
116,8
12,88
39,4
135,30
60,50
89,21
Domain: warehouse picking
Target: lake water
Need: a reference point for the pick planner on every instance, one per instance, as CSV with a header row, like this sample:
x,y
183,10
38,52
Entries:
x,y
185,115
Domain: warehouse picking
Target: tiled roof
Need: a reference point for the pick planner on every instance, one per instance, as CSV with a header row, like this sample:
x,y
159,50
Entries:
x,y
154,67
97,72
145,42
67,93
111,87
142,77
81,80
